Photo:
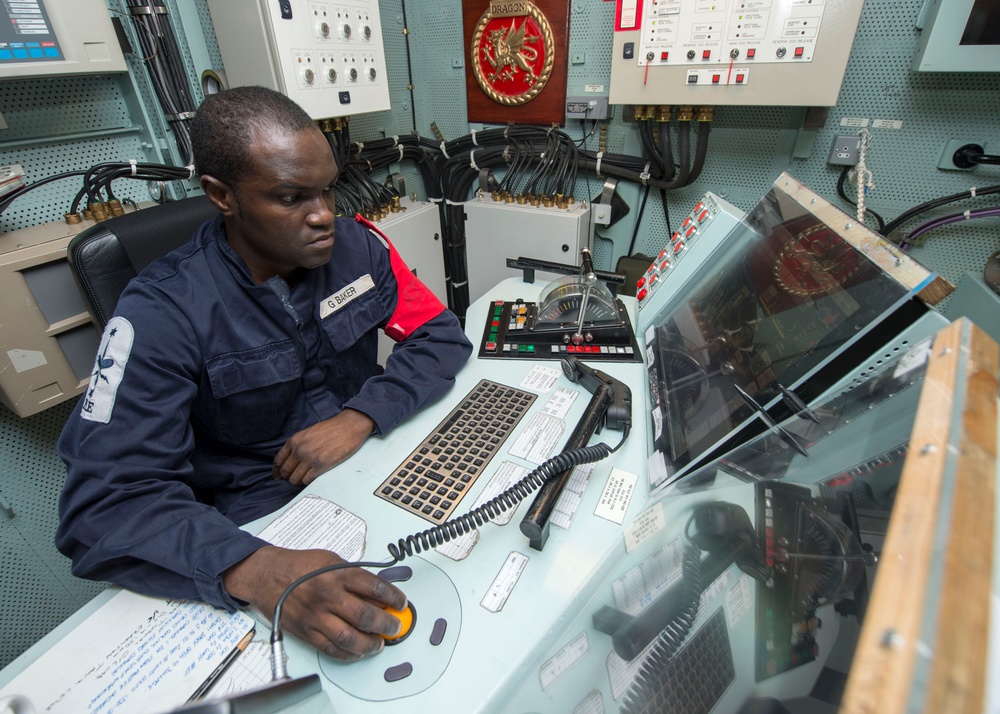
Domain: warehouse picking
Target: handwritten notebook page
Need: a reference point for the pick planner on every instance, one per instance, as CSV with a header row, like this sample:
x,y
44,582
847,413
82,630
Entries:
x,y
134,654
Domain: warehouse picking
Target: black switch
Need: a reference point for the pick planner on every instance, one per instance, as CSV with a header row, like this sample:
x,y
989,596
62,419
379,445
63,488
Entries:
x,y
345,97
628,51
286,9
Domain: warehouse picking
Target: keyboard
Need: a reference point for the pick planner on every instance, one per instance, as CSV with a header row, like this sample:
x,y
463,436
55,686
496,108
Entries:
x,y
693,681
434,478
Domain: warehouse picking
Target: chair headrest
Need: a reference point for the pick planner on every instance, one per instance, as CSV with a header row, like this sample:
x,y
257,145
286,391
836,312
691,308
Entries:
x,y
105,257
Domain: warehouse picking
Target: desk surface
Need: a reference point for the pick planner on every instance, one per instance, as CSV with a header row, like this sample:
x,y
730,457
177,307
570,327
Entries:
x,y
540,650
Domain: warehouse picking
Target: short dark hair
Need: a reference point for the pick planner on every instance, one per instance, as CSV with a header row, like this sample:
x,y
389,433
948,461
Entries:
x,y
226,124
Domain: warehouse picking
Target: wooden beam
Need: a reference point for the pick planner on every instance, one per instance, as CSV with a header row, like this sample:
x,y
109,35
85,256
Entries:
x,y
924,642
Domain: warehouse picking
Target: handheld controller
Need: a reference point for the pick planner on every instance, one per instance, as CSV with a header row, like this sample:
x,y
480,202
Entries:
x,y
618,415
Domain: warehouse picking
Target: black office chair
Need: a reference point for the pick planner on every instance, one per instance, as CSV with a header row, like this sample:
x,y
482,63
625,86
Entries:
x,y
105,257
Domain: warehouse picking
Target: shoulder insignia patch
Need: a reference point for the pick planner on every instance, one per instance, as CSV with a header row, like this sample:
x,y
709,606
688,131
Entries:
x,y
109,369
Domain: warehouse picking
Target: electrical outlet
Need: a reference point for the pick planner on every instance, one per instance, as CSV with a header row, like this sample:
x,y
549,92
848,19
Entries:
x,y
844,150
594,106
946,161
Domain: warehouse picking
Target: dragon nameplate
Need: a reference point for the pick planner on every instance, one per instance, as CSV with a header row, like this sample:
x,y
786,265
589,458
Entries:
x,y
512,52
517,60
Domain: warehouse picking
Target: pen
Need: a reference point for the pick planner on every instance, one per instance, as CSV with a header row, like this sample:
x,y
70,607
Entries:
x,y
215,675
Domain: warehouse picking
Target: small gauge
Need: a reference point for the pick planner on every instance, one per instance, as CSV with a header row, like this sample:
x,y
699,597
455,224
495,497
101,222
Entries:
x,y
562,303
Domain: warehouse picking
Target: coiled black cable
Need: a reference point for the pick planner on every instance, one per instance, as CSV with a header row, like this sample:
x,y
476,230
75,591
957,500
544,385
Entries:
x,y
648,684
441,534
445,532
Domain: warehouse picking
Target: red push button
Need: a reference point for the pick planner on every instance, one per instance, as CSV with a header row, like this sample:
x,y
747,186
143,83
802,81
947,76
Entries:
x,y
751,52
640,282
674,238
664,265
491,346
690,231
686,223
664,56
715,79
702,216
697,207
739,79
706,54
642,295
679,247
662,254
799,51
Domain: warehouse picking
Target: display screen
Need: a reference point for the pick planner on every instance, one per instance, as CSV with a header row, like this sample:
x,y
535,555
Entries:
x,y
767,318
25,33
983,27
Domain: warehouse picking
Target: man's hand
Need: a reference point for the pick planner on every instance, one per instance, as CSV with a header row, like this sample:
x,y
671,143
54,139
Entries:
x,y
339,613
314,450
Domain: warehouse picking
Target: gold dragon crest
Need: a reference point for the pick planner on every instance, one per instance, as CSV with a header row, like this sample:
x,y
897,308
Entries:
x,y
512,52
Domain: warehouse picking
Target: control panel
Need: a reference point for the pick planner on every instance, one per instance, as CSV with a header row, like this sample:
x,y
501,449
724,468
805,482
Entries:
x,y
712,228
327,56
735,52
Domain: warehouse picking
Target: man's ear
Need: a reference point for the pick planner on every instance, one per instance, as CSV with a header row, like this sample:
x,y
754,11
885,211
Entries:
x,y
220,194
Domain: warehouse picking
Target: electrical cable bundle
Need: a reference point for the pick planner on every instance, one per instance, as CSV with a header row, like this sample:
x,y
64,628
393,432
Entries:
x,y
162,57
937,203
97,179
990,212
97,183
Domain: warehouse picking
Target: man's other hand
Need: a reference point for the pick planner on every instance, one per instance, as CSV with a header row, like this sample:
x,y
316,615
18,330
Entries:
x,y
320,447
339,613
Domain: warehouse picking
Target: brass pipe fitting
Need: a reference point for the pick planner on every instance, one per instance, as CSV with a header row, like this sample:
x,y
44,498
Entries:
x,y
684,113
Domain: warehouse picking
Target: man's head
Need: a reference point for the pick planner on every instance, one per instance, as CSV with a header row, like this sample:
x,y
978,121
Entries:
x,y
270,172
225,125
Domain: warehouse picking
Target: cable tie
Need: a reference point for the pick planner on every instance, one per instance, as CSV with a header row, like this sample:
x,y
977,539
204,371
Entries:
x,y
473,135
972,191
506,153
505,130
400,147
644,176
600,155
449,202
361,147
460,285
132,163
179,116
395,140
472,160
191,171
434,199
968,214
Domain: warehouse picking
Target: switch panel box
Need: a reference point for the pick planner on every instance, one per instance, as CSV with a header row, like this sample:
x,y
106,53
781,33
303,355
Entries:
x,y
327,57
587,107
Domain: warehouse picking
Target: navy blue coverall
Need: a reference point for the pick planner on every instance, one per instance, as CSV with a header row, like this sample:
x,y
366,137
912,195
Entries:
x,y
200,378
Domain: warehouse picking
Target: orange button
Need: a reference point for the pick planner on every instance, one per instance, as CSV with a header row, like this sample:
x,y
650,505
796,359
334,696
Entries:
x,y
407,617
